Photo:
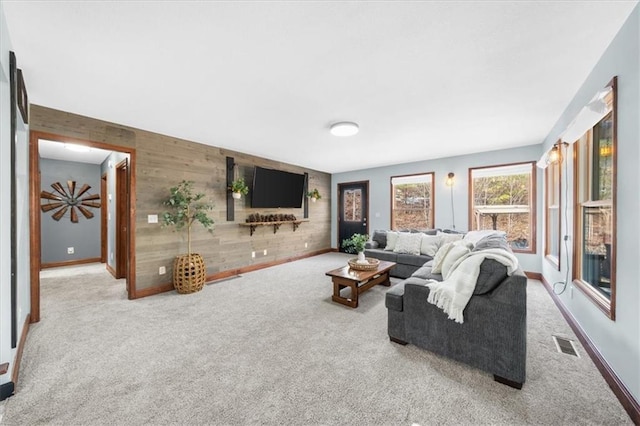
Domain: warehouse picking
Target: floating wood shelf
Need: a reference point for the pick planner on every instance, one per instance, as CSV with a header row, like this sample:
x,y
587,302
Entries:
x,y
276,225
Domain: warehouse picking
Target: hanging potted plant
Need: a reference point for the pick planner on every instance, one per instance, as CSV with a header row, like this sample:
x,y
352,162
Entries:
x,y
356,244
314,195
186,208
238,188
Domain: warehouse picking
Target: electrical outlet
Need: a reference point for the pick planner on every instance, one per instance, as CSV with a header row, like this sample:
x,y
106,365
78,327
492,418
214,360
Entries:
x,y
162,270
70,250
306,245
253,254
265,252
152,218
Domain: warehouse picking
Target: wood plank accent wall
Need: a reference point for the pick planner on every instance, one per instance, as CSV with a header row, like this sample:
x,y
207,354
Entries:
x,y
162,162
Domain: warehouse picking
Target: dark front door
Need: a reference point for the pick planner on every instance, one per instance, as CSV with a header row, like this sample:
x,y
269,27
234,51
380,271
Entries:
x,y
353,208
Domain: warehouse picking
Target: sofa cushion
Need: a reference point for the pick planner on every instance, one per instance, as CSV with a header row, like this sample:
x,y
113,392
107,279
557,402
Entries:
x,y
408,243
425,273
412,259
394,298
430,244
492,241
380,237
387,255
492,273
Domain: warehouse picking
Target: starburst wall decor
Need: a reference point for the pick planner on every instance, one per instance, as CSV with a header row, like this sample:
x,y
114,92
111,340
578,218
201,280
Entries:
x,y
63,201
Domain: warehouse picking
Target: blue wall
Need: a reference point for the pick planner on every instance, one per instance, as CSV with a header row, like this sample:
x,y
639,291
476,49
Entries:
x,y
618,341
380,191
57,236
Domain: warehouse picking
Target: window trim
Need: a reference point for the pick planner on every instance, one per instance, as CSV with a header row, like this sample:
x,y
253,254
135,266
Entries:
x,y
553,260
433,198
532,201
608,306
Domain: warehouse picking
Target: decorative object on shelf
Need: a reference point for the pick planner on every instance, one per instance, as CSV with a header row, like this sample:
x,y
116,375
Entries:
x,y
238,188
355,244
256,219
369,264
70,200
314,195
189,272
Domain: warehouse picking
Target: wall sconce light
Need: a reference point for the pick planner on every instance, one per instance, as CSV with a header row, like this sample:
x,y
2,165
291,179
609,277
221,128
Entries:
x,y
451,179
555,155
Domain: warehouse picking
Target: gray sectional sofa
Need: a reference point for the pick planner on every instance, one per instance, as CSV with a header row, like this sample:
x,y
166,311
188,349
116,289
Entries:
x,y
406,263
493,334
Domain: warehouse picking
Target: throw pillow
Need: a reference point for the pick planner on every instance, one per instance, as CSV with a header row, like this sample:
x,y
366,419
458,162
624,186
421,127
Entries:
x,y
458,250
392,238
475,236
439,257
380,237
429,245
408,243
449,238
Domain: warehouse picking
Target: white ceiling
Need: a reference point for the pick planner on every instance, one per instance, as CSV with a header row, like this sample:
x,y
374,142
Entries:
x,y
423,80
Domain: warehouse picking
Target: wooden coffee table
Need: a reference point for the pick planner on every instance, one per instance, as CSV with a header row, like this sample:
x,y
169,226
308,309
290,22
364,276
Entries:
x,y
358,281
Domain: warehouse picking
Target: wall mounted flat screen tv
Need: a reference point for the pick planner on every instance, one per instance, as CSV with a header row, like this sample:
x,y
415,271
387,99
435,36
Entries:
x,y
276,188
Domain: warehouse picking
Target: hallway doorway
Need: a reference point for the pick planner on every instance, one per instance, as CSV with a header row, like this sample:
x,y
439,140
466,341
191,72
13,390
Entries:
x,y
71,203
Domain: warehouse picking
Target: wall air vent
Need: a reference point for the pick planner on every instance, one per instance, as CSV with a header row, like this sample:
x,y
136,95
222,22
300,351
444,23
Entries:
x,y
565,346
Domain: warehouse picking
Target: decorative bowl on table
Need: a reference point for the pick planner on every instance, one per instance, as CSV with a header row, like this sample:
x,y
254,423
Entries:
x,y
371,264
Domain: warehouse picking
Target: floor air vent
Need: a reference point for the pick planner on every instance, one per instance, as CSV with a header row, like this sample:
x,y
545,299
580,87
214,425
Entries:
x,y
566,346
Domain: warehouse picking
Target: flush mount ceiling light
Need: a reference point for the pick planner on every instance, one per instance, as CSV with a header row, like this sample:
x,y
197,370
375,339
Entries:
x,y
344,128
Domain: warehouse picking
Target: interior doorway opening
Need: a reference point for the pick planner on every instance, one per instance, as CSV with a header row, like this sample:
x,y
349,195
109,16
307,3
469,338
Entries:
x,y
100,181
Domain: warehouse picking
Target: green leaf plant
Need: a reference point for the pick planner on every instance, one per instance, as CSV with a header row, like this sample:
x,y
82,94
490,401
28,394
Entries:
x,y
355,244
239,186
185,208
314,194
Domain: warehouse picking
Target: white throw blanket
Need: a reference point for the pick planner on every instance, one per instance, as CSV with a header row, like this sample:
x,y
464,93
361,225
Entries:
x,y
453,294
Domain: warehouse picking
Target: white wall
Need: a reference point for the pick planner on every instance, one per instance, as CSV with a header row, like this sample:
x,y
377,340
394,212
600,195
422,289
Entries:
x,y
380,197
618,341
7,353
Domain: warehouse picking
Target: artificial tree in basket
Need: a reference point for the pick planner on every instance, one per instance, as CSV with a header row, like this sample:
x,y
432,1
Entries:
x,y
189,272
355,244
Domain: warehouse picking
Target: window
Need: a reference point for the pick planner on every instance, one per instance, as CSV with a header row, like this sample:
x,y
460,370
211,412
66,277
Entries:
x,y
503,198
412,202
353,205
595,210
552,206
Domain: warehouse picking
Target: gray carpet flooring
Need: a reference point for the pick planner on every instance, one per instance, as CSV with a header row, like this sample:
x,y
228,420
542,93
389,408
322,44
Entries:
x,y
270,347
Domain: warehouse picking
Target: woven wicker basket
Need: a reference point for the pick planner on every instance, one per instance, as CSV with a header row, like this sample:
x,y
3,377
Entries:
x,y
189,273
371,264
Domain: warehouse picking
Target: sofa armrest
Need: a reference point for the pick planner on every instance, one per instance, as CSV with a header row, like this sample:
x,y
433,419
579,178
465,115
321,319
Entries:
x,y
512,291
371,245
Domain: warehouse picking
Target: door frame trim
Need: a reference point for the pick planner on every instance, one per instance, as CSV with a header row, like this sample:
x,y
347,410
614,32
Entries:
x,y
339,205
34,217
